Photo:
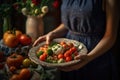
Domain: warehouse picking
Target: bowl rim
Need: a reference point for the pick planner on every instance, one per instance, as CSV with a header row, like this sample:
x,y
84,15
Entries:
x,y
34,58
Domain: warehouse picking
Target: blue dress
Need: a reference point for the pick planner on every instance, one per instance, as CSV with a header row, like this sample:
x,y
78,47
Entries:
x,y
85,20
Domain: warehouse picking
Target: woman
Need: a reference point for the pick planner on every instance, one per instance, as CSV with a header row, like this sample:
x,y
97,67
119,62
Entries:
x,y
94,23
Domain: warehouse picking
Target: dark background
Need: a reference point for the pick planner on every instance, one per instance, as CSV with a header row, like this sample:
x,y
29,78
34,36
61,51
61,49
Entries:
x,y
51,21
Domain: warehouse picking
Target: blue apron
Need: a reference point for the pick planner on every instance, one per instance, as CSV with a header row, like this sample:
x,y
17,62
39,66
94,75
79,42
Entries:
x,y
85,20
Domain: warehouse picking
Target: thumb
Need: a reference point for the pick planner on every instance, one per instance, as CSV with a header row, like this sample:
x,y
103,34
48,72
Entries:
x,y
40,39
80,56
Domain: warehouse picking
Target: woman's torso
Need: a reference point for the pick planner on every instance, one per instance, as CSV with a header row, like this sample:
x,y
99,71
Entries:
x,y
85,18
86,21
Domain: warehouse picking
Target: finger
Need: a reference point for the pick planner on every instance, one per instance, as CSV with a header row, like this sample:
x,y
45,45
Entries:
x,y
40,39
35,43
80,57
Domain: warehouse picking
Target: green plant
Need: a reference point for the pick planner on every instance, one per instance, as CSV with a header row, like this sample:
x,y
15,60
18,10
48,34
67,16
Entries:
x,y
5,10
35,7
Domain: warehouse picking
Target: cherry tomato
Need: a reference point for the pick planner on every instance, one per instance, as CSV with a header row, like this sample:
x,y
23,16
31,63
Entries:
x,y
73,49
65,46
41,48
70,45
69,58
25,39
62,42
76,53
42,57
45,54
67,53
60,56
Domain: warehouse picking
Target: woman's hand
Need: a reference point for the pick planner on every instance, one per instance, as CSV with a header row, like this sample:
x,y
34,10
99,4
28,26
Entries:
x,y
60,31
48,37
84,59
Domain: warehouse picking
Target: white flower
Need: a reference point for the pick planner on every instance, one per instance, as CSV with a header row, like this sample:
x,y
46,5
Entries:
x,y
32,5
25,11
36,11
44,9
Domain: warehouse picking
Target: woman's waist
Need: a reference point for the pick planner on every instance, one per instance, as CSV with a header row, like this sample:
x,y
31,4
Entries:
x,y
86,33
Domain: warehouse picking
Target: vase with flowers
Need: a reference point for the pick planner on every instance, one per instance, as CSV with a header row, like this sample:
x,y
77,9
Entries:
x,y
35,10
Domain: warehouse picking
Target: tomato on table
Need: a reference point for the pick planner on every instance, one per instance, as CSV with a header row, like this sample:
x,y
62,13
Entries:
x,y
6,34
11,40
18,33
26,62
14,60
25,39
25,74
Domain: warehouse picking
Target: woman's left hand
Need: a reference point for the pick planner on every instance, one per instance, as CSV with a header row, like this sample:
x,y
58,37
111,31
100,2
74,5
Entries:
x,y
84,59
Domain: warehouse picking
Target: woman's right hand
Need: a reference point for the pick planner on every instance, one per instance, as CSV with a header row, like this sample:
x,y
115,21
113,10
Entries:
x,y
48,37
60,31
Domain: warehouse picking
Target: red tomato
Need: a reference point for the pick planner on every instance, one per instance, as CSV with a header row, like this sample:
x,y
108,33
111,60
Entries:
x,y
76,53
62,42
45,54
42,57
65,46
60,56
18,33
67,53
14,60
70,45
69,58
73,49
25,39
25,74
